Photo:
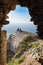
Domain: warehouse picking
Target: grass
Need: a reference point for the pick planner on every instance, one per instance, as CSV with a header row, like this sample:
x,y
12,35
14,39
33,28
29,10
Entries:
x,y
10,64
21,48
26,44
34,44
17,61
9,53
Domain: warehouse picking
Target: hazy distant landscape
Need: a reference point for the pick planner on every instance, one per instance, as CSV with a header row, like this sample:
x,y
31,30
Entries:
x,y
19,18
11,28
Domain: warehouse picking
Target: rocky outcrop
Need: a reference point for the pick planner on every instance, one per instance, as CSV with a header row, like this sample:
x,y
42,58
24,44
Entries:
x,y
14,40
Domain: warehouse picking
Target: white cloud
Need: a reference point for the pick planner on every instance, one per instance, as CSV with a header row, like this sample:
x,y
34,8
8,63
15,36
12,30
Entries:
x,y
19,15
18,18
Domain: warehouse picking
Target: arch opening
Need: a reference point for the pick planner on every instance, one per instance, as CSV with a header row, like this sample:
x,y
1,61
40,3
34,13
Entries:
x,y
19,18
35,10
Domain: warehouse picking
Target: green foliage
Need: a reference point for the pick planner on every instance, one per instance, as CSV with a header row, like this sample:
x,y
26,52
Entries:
x,y
26,44
36,44
17,61
23,46
10,63
9,53
33,45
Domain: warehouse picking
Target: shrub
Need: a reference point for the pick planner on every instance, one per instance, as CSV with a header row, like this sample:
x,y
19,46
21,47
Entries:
x,y
19,60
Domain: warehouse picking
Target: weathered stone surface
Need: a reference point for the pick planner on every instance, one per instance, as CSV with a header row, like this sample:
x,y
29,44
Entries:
x,y
14,41
3,48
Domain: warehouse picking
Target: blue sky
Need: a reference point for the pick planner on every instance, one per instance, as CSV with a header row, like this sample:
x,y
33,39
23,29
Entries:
x,y
18,18
19,15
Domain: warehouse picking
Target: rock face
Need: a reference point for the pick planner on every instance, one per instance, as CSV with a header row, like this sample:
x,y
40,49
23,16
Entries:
x,y
14,40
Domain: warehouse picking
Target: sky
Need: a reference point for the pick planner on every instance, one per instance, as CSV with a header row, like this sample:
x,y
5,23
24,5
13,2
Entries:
x,y
19,15
19,18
